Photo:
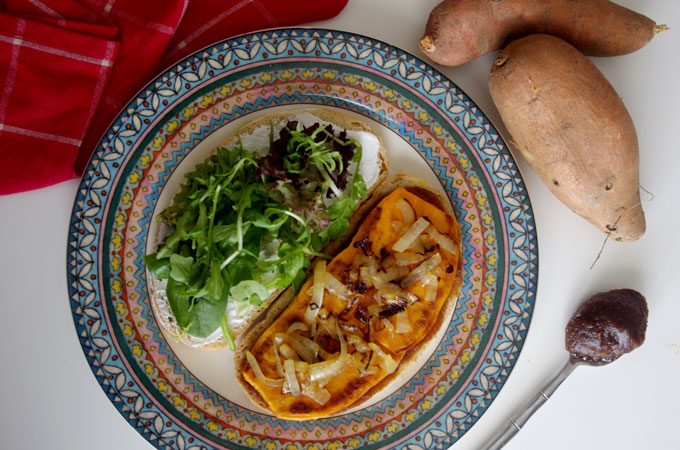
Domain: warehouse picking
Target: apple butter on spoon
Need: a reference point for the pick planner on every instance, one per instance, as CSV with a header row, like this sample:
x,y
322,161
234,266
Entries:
x,y
605,327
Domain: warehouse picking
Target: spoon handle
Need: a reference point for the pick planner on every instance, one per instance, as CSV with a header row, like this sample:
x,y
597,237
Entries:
x,y
518,420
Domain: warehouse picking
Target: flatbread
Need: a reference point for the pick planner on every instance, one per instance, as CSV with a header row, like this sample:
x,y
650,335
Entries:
x,y
426,192
159,301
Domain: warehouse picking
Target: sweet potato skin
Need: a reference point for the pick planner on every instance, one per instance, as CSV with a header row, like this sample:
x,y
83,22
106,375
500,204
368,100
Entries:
x,y
459,31
573,130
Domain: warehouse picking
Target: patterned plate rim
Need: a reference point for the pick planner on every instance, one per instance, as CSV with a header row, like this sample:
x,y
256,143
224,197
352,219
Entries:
x,y
89,181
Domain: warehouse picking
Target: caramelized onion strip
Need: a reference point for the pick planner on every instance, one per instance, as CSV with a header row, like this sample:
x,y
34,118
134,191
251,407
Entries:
x,y
419,272
303,347
317,291
291,378
326,369
287,352
443,241
277,358
403,325
430,282
385,361
358,343
258,372
335,287
411,234
316,393
297,326
395,272
406,211
408,258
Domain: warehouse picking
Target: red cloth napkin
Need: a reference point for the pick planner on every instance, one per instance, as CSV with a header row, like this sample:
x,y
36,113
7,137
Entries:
x,y
146,28
207,21
54,105
57,9
51,79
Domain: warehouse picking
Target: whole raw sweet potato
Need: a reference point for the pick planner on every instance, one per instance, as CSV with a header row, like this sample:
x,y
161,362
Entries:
x,y
573,130
459,31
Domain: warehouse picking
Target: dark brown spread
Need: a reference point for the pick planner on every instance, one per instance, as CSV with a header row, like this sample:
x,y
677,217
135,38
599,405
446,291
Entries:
x,y
606,326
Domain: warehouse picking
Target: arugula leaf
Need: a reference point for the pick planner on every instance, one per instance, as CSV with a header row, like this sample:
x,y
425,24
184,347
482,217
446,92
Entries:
x,y
272,225
215,283
292,262
182,268
226,233
207,317
179,303
341,211
249,291
172,242
159,267
199,317
227,333
240,268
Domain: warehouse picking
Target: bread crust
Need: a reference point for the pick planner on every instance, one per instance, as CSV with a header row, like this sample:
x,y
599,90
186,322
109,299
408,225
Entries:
x,y
425,191
156,291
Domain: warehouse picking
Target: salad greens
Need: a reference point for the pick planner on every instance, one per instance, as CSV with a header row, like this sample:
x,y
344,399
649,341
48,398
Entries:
x,y
245,225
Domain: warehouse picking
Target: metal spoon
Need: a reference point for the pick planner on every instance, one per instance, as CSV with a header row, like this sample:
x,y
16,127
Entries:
x,y
603,328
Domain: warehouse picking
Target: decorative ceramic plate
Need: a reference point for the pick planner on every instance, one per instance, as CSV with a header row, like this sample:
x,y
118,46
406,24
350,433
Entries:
x,y
179,397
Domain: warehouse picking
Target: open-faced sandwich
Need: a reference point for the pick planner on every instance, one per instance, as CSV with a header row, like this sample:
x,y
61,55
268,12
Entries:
x,y
249,220
361,318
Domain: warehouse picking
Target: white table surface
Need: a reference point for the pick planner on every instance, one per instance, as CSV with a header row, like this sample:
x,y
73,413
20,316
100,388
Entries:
x,y
49,398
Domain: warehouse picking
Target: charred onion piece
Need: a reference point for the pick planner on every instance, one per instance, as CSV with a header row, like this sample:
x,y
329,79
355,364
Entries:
x,y
391,309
